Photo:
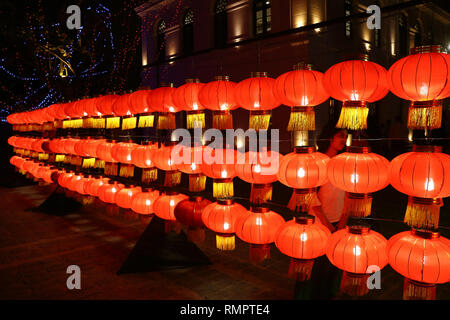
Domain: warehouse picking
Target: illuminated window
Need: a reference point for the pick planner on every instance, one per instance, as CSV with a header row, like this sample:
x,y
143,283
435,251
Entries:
x,y
161,41
188,31
348,23
220,23
403,34
262,16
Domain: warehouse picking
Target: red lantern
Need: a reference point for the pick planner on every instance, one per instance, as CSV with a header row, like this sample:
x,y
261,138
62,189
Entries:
x,y
191,158
141,157
125,196
423,258
423,175
220,217
160,100
256,95
186,98
355,82
219,164
163,159
359,172
260,169
302,239
143,202
189,212
258,226
92,187
64,179
303,170
422,78
301,89
219,97
121,152
122,107
105,106
355,249
140,105
107,192
164,208
104,153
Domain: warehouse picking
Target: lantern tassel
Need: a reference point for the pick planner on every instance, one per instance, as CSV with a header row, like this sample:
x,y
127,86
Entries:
x,y
260,193
112,122
222,120
259,120
259,252
126,170
425,115
129,123
166,120
172,178
301,198
76,161
196,235
223,188
302,119
88,123
357,204
146,121
353,115
413,290
300,269
99,123
149,175
99,164
197,182
225,242
422,212
354,285
59,158
195,120
111,168
43,156
88,163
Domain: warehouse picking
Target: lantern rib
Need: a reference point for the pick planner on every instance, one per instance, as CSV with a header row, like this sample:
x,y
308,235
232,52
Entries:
x,y
443,176
412,175
429,78
363,96
446,79
415,76
401,80
345,247
428,176
439,262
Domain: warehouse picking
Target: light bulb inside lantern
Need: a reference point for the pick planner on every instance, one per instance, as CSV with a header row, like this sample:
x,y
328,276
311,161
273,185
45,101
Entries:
x,y
429,184
258,221
171,109
224,174
301,173
147,202
257,168
148,162
195,106
223,106
357,251
226,226
172,203
423,90
256,105
304,237
354,178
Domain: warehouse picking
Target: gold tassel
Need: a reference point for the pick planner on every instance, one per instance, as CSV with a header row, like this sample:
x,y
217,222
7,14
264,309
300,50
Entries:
x,y
99,123
413,290
354,285
197,182
48,126
301,199
222,120
88,163
129,123
225,242
126,170
425,115
111,168
88,123
112,122
146,121
261,193
357,204
259,252
149,175
259,120
172,178
300,269
34,154
166,120
422,212
76,161
67,158
52,157
99,164
60,158
302,119
223,188
43,156
195,120
58,124
353,115
196,235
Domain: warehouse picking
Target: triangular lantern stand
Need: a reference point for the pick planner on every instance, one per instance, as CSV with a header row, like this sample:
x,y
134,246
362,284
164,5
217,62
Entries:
x,y
157,251
58,204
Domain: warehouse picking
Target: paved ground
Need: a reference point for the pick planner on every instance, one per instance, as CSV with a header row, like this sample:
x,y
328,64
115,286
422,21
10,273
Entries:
x,y
36,248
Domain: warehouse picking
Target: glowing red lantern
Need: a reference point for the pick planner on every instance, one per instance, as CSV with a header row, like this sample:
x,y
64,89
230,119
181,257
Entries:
x,y
165,205
125,196
301,89
143,202
423,258
303,170
163,158
64,179
104,153
302,239
189,212
220,217
160,100
92,187
186,98
260,169
219,97
359,172
422,78
190,161
423,175
107,192
141,157
256,95
355,249
355,82
140,105
258,226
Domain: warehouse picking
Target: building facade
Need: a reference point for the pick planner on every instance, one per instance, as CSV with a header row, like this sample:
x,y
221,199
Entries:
x,y
204,38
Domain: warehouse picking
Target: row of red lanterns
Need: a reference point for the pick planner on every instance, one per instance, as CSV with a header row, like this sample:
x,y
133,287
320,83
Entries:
x,y
421,257
421,78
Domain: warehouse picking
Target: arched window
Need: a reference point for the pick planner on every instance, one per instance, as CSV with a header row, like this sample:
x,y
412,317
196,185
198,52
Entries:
x,y
161,41
188,31
417,35
403,35
348,24
220,23
262,16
